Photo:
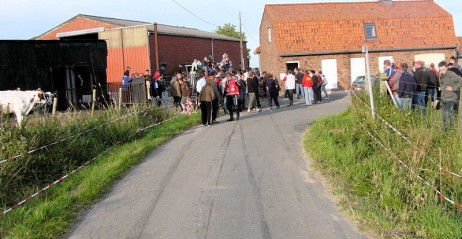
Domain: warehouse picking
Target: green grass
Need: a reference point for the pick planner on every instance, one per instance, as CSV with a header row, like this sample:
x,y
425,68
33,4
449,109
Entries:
x,y
51,214
385,198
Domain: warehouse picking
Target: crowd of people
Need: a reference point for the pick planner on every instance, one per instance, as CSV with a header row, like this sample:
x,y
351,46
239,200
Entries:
x,y
414,85
155,85
218,84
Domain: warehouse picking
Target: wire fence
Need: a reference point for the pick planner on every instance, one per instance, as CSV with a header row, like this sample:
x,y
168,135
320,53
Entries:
x,y
11,158
54,183
440,169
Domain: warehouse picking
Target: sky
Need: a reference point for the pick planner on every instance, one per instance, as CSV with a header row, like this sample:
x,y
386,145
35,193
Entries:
x,y
24,19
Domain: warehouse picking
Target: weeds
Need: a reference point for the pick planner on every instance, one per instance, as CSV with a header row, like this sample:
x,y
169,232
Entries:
x,y
53,213
383,195
24,175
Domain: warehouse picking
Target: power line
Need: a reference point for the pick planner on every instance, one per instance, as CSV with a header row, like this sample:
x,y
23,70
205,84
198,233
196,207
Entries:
x,y
248,33
194,14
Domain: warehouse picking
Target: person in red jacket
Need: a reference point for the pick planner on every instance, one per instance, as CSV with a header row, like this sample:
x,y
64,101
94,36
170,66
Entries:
x,y
307,84
232,91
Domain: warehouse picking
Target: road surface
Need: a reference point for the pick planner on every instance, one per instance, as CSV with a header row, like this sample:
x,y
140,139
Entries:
x,y
240,179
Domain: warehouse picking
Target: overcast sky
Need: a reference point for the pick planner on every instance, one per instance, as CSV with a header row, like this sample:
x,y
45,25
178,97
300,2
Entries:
x,y
24,19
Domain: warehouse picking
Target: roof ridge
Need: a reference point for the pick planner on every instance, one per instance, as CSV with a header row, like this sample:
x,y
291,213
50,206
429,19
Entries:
x,y
110,18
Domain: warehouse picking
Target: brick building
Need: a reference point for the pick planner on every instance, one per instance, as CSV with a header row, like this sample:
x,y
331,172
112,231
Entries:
x,y
330,36
143,45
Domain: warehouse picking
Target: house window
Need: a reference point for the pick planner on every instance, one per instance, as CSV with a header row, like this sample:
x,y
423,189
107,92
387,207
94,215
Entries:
x,y
369,30
269,34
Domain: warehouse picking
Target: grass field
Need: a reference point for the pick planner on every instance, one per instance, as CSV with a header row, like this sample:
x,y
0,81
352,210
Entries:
x,y
51,214
372,185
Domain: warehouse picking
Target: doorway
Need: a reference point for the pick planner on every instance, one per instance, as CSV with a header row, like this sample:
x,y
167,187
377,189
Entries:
x,y
291,65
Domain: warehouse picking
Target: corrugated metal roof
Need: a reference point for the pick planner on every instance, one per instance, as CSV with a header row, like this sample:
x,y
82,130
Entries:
x,y
191,32
162,29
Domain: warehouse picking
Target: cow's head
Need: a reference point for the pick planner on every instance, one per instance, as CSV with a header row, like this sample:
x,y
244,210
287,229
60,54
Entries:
x,y
36,101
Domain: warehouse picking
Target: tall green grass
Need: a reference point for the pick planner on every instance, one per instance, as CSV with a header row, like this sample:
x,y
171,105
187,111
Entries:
x,y
52,213
378,191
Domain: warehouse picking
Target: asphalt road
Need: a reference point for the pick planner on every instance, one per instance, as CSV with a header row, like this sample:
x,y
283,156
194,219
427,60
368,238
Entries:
x,y
240,179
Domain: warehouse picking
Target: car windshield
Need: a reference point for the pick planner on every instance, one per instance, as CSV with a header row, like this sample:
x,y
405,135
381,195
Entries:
x,y
359,80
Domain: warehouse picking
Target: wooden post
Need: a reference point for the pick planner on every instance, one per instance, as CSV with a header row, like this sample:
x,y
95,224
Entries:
x,y
93,102
120,98
459,115
55,104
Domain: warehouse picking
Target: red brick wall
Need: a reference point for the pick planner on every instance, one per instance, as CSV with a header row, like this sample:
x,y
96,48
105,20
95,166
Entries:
x,y
176,50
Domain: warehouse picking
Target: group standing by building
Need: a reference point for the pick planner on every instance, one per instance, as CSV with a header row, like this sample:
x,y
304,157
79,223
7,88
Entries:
x,y
414,86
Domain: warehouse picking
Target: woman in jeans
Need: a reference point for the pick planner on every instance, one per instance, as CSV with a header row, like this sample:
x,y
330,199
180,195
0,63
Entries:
x,y
307,84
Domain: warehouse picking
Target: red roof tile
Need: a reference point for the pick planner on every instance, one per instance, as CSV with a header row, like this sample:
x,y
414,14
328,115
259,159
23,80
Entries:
x,y
326,27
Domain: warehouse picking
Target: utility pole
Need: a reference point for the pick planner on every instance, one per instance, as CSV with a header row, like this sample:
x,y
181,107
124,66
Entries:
x,y
365,50
240,41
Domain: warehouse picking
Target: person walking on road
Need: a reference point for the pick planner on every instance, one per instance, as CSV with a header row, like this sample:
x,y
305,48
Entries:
x,y
298,83
323,85
175,89
290,87
317,83
232,90
252,87
206,97
272,89
307,84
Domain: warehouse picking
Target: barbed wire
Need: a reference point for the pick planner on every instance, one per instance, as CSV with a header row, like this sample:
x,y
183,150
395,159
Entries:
x,y
389,125
72,136
442,196
81,166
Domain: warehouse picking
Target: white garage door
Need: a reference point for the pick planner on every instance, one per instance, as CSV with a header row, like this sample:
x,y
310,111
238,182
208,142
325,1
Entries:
x,y
358,68
434,58
329,69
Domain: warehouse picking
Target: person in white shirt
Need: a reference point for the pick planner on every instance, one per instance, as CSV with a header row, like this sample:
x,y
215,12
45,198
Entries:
x,y
290,87
196,66
201,82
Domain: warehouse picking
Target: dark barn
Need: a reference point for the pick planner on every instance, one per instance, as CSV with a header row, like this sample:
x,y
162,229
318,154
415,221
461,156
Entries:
x,y
70,68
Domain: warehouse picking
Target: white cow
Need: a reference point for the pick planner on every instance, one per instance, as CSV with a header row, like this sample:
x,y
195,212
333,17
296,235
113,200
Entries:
x,y
20,102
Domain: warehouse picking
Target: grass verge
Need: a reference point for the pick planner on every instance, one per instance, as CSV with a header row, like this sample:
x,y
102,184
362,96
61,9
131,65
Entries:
x,y
54,212
382,196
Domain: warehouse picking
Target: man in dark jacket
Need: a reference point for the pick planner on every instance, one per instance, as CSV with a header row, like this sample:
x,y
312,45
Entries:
x,y
421,78
407,87
316,87
298,83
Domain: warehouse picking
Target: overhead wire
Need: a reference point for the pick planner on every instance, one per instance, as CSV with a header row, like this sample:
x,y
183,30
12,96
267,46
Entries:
x,y
195,15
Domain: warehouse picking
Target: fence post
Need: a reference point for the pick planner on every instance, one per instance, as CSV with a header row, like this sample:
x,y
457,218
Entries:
x,y
120,98
459,115
93,102
55,104
365,50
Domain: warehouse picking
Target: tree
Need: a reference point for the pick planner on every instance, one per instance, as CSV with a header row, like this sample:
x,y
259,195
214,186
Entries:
x,y
230,30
